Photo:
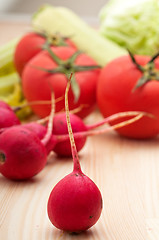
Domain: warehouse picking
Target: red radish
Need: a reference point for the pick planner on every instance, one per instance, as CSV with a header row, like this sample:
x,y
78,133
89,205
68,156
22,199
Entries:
x,y
22,153
40,131
5,105
8,118
75,203
63,148
37,128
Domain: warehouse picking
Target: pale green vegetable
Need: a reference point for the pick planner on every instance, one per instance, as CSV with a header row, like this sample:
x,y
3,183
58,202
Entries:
x,y
7,82
132,24
6,57
10,86
9,78
63,20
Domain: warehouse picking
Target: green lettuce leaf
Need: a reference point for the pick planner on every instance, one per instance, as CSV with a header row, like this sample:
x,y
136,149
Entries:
x,y
132,24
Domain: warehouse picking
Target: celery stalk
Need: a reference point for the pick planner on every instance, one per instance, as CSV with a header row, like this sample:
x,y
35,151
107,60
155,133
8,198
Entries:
x,y
6,57
87,39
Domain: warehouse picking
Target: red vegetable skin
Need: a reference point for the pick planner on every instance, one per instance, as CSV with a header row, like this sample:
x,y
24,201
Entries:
x,y
60,128
22,153
30,45
75,203
41,131
27,48
116,93
35,82
5,105
8,118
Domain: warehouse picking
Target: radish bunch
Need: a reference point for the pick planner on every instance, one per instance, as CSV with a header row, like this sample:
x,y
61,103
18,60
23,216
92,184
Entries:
x,y
22,153
59,139
24,147
59,142
75,203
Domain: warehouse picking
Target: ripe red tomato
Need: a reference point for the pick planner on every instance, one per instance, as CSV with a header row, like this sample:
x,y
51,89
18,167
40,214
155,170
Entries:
x,y
36,82
116,93
33,43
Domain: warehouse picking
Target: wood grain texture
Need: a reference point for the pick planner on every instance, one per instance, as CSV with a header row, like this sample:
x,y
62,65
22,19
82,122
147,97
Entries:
x,y
126,171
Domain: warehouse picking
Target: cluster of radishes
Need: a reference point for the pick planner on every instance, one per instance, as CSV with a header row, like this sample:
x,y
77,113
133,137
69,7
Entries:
x,y
24,148
23,153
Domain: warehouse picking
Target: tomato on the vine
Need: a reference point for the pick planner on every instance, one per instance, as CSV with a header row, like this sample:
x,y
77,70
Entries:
x,y
50,70
34,42
130,83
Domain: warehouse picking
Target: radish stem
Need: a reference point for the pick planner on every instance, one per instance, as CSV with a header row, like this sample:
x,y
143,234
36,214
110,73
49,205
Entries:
x,y
73,111
108,129
77,167
50,122
40,102
116,116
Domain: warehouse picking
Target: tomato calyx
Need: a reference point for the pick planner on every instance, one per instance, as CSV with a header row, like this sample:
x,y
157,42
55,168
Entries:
x,y
68,67
149,71
55,39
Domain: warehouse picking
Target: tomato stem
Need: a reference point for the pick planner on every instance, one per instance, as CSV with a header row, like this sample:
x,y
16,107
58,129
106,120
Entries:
x,y
72,59
149,71
55,39
134,61
53,55
67,67
154,57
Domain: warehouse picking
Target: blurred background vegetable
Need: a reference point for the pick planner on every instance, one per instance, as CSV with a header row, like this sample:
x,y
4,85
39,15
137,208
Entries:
x,y
85,37
132,24
10,86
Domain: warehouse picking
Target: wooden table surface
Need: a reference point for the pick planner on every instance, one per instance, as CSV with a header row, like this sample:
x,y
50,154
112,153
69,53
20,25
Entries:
x,y
126,171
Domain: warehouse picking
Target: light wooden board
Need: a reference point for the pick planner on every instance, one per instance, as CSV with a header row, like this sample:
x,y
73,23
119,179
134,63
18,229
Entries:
x,y
126,171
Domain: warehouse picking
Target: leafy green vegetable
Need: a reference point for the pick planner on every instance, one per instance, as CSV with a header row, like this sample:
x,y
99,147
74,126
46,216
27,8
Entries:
x,y
132,24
